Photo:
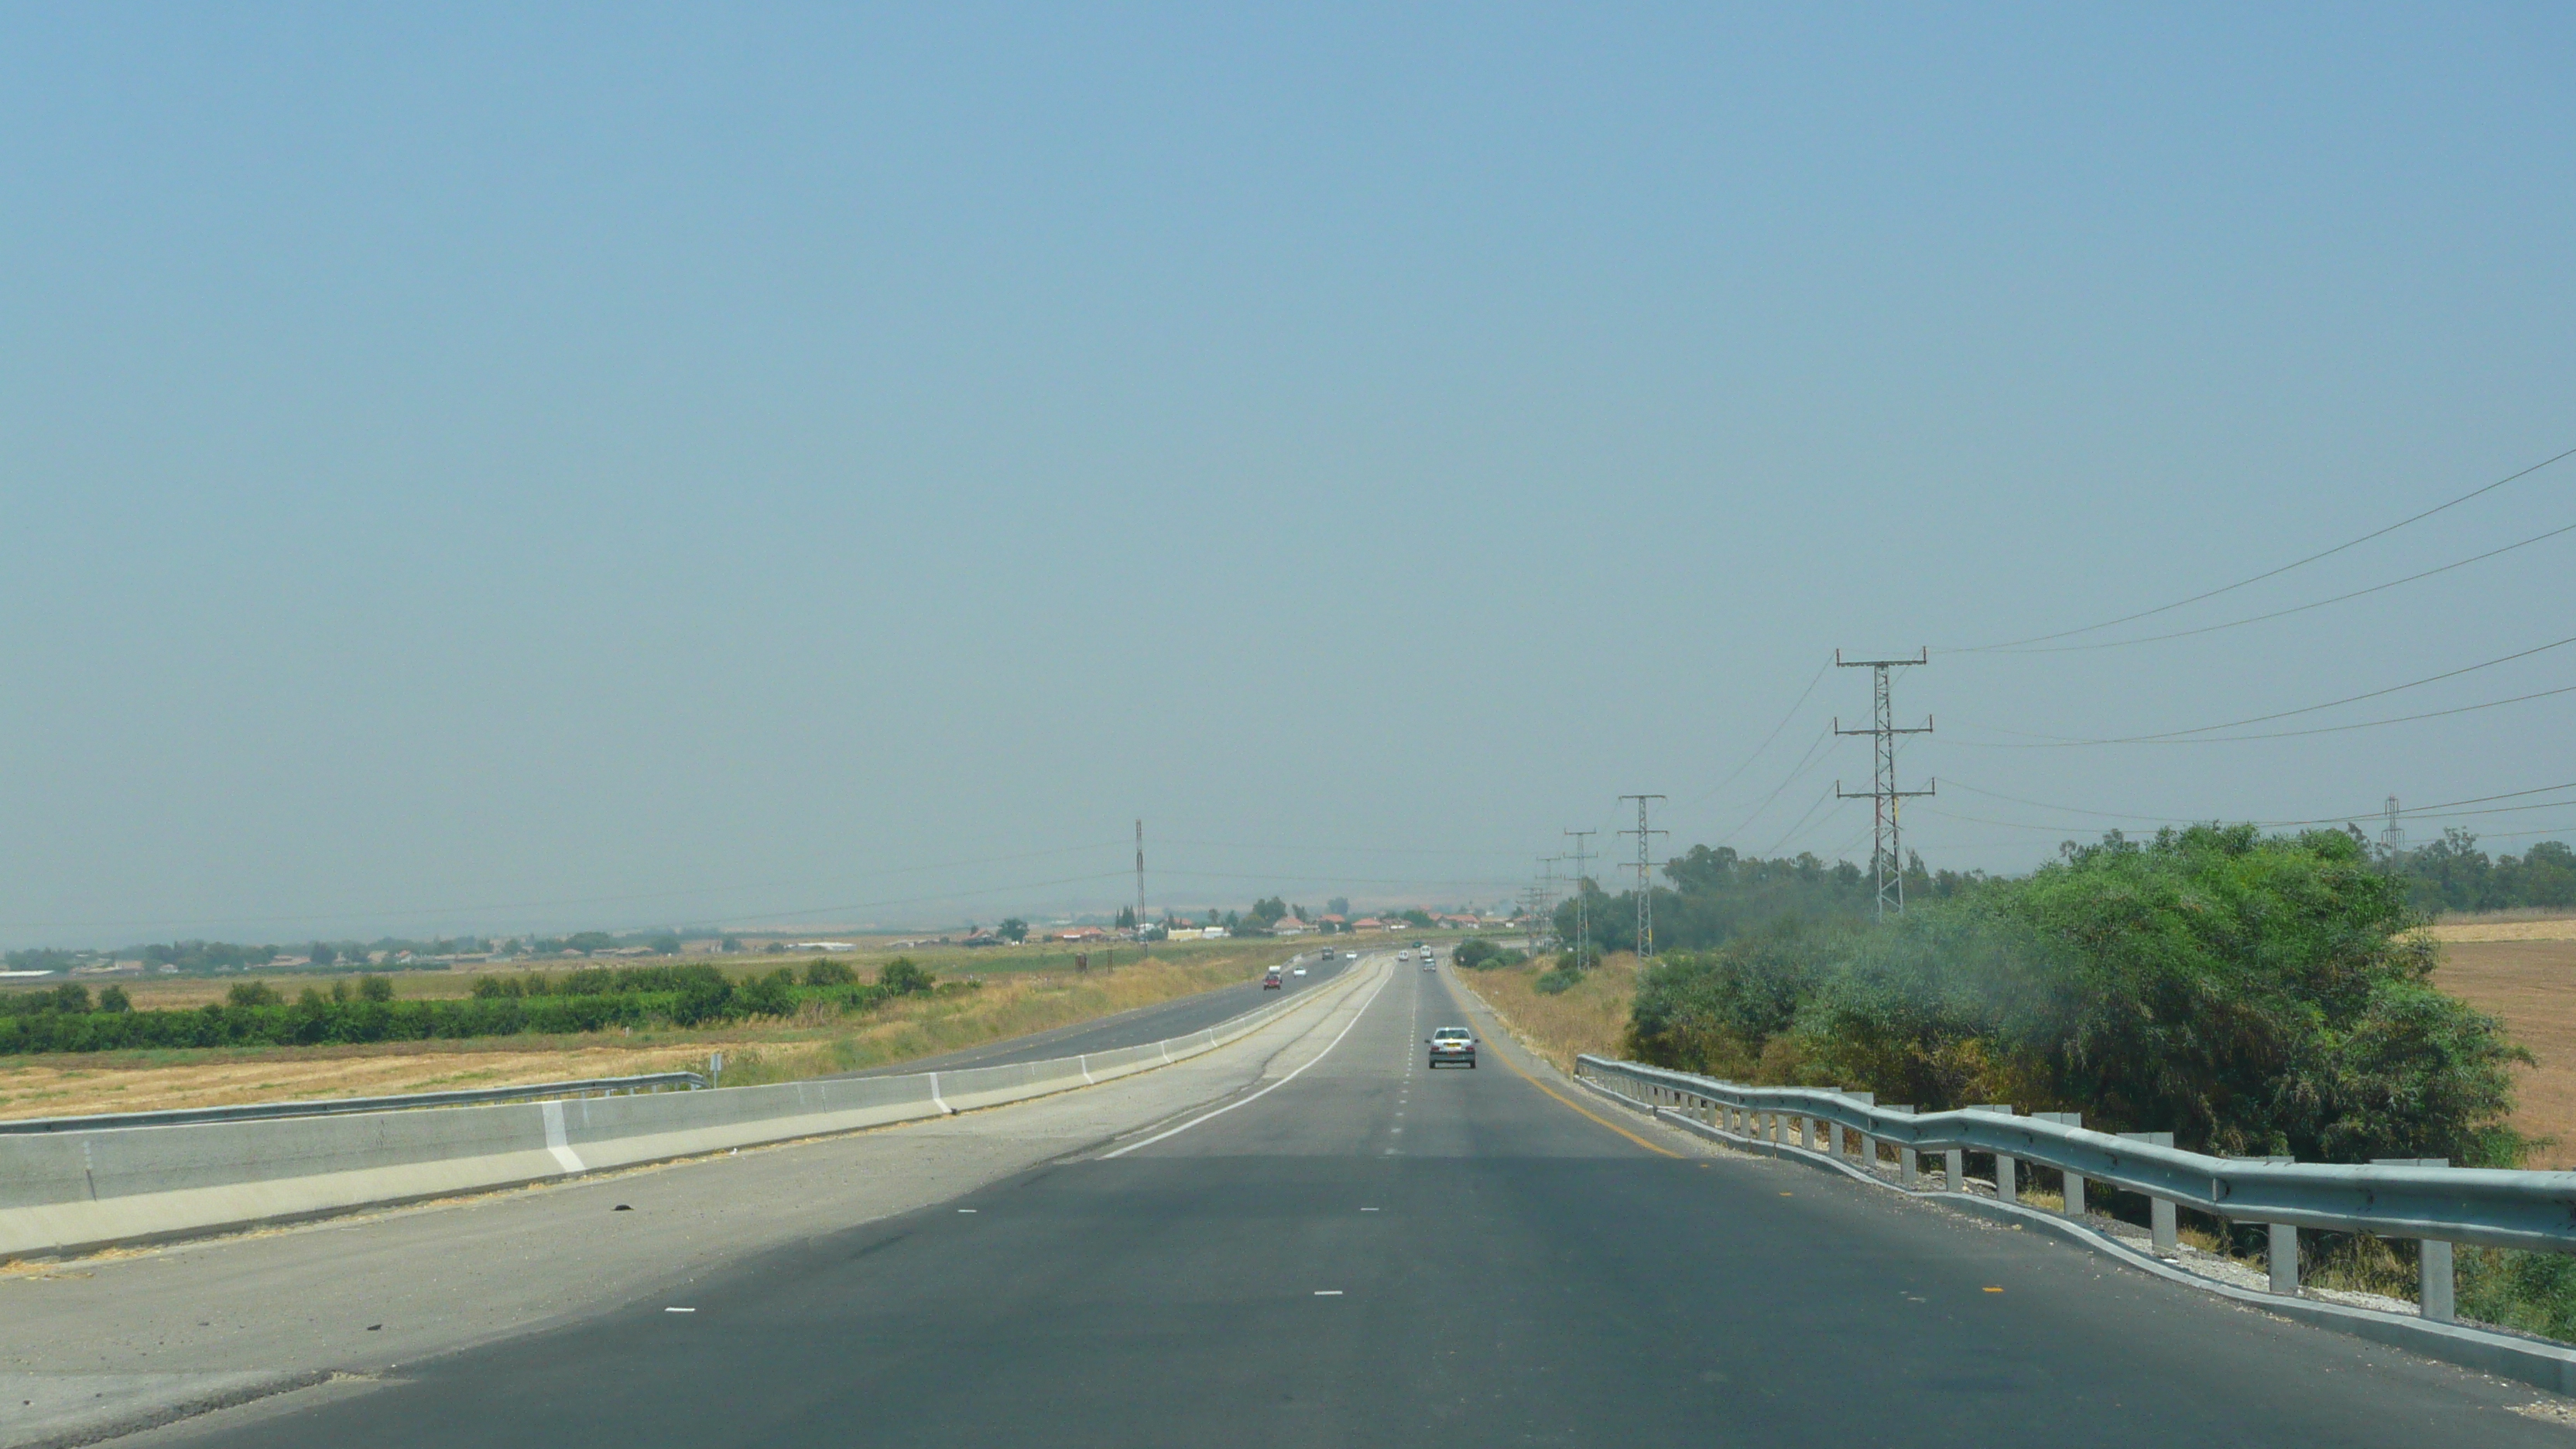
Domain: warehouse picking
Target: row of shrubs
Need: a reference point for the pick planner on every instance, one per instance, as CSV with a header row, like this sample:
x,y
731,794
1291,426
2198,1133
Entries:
x,y
2253,995
254,1014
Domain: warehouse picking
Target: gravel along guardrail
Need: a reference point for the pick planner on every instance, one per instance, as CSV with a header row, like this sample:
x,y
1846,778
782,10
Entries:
x,y
76,1188
2422,1199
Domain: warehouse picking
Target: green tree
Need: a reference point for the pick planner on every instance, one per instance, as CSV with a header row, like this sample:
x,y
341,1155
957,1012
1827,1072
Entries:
x,y
2253,995
823,972
321,953
252,993
704,995
114,999
1012,929
770,995
666,944
375,988
903,977
588,942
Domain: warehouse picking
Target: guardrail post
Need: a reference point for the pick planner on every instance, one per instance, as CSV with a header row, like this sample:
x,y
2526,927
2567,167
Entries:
x,y
1867,1144
2433,1262
2161,1224
2007,1171
2074,1188
2284,1253
1904,1154
2434,1287
1955,1170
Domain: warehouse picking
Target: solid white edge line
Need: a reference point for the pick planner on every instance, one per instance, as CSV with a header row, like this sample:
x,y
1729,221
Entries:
x,y
1266,1091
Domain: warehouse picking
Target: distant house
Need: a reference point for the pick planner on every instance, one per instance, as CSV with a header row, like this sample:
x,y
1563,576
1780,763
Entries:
x,y
982,938
1369,923
1083,933
824,946
1289,926
1182,933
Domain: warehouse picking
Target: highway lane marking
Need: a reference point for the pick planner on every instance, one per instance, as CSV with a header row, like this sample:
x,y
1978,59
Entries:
x,y
1328,1292
1266,1091
692,1310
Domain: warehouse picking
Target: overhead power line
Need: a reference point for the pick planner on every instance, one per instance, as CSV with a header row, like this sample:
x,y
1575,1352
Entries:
x,y
2275,572
2295,609
1806,762
2367,724
2411,812
1813,680
2165,736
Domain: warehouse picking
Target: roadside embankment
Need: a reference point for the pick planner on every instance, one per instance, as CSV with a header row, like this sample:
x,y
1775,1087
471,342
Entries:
x,y
1589,1016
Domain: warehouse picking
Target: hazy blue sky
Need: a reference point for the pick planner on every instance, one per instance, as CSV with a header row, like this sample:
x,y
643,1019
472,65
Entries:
x,y
503,467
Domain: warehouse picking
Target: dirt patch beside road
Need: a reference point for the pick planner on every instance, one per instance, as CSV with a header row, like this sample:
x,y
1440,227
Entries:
x,y
2531,986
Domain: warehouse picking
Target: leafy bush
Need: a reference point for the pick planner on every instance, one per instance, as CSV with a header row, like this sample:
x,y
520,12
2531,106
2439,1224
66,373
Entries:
x,y
1478,954
251,993
113,998
903,977
704,995
48,1021
770,995
375,988
2252,995
822,972
1556,979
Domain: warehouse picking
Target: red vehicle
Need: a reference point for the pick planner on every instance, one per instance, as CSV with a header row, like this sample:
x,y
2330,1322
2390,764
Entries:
x,y
1270,981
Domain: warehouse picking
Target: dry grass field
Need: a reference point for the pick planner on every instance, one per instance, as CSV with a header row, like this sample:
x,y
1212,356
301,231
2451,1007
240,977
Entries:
x,y
1010,1002
2529,983
1590,1017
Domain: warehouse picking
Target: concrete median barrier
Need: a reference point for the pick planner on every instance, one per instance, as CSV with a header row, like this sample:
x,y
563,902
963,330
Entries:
x,y
72,1191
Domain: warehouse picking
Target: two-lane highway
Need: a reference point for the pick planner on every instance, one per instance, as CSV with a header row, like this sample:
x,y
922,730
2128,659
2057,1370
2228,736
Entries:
x,y
1162,1021
1375,1253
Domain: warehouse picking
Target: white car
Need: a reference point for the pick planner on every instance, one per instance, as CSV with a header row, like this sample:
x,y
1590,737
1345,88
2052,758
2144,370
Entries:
x,y
1350,955
1301,970
1405,954
1452,1044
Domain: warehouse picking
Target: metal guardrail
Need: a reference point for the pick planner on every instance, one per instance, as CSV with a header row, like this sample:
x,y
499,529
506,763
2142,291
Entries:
x,y
2422,1199
262,1111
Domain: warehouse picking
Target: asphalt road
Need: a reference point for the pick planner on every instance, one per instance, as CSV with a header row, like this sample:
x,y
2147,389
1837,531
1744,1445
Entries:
x,y
1374,1253
1144,1024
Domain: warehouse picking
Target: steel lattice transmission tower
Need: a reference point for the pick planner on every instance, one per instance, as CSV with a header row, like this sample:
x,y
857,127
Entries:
x,y
2392,836
1546,902
1886,863
1144,945
1582,901
1645,882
